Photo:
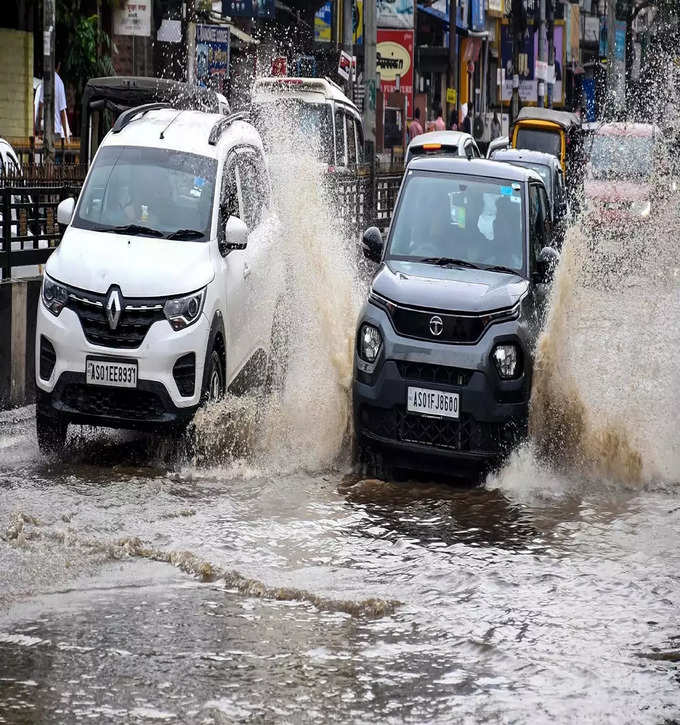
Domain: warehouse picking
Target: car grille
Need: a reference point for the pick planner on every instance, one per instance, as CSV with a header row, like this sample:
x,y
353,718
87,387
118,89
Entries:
x,y
129,404
137,316
455,328
465,434
437,374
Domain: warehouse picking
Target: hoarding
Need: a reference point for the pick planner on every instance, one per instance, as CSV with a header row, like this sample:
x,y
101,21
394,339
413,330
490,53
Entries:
x,y
528,83
132,18
212,55
248,8
395,58
395,13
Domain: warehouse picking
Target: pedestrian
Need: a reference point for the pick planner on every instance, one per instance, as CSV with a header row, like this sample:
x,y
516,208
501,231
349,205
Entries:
x,y
466,123
439,124
496,129
416,128
61,127
453,120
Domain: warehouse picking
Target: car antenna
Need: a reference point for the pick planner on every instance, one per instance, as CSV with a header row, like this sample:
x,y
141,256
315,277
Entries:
x,y
174,118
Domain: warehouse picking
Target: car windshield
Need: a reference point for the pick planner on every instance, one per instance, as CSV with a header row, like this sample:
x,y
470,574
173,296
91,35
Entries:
x,y
549,142
542,170
147,191
622,157
291,120
476,221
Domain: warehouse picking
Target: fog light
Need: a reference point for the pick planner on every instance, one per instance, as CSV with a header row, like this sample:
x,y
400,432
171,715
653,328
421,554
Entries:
x,y
370,341
506,357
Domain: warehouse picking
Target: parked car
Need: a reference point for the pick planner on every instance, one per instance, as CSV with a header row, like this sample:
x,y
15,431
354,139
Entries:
x,y
162,292
449,143
502,142
444,344
550,171
328,121
623,158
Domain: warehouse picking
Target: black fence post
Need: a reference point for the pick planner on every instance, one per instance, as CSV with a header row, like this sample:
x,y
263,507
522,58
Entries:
x,y
5,270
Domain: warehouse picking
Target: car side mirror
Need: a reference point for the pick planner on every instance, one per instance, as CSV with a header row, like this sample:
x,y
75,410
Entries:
x,y
546,264
65,210
373,244
235,235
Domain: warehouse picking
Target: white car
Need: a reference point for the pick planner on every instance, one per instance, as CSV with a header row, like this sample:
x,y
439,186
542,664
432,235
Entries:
x,y
162,292
449,143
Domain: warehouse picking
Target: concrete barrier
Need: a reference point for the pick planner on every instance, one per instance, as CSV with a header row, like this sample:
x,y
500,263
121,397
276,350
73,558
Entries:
x,y
18,308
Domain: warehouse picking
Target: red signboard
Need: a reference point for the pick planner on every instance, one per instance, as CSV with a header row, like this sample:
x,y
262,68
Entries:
x,y
279,67
395,58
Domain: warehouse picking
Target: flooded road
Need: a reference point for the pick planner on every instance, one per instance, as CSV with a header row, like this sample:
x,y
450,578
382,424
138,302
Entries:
x,y
136,591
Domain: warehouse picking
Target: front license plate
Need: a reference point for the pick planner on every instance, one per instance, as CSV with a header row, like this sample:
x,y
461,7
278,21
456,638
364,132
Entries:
x,y
110,373
433,402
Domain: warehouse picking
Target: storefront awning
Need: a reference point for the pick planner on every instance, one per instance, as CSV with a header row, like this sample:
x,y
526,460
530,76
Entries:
x,y
438,14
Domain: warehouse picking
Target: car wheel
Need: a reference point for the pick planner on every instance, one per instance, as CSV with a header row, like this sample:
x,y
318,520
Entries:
x,y
372,464
213,380
51,430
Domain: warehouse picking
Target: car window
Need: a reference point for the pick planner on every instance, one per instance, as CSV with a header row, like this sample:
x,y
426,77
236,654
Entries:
x,y
229,196
547,216
351,140
549,142
536,221
476,219
254,185
360,141
340,137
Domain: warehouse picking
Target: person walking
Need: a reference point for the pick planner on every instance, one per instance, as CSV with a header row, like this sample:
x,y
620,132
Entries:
x,y
439,124
61,127
496,129
416,128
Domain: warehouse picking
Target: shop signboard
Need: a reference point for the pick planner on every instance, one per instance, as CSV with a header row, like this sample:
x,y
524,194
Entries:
x,y
496,8
323,21
248,8
132,18
477,20
528,83
394,53
395,13
212,55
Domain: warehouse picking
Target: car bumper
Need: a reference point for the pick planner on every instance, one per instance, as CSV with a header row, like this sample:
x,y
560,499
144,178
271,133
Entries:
x,y
155,402
493,414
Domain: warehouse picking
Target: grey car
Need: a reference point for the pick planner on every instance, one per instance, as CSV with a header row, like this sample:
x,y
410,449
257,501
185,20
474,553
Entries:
x,y
445,342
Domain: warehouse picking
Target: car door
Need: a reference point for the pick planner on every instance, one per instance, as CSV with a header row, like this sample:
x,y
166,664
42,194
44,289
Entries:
x,y
262,280
234,273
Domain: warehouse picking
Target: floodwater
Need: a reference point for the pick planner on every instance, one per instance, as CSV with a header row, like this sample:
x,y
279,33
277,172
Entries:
x,y
264,580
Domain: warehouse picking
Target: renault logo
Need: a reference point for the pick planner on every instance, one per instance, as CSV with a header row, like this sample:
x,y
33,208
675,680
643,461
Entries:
x,y
436,325
113,308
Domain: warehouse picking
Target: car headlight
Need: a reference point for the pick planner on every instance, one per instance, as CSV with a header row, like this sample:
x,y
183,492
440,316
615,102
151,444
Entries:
x,y
184,311
370,342
54,295
507,359
641,208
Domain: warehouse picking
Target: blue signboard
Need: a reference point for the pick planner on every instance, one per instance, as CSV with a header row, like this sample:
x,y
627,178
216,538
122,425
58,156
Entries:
x,y
248,8
478,21
462,14
212,55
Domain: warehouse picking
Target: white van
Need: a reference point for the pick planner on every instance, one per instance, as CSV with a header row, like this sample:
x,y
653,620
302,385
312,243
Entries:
x,y
320,111
162,292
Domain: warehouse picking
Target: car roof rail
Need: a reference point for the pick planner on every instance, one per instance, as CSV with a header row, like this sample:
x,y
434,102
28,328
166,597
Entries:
x,y
333,83
223,124
127,116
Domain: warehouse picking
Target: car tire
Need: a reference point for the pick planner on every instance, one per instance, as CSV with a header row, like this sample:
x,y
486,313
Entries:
x,y
372,464
213,379
51,430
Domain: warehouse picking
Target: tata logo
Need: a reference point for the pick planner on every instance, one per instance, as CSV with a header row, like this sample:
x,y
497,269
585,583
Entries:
x,y
113,308
436,325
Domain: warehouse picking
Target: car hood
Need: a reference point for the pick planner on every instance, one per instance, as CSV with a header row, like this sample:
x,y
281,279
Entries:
x,y
610,191
140,266
448,288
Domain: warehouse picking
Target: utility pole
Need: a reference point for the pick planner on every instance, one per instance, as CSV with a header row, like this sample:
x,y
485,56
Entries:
x,y
518,23
371,81
191,41
348,38
611,58
453,58
551,49
48,80
542,46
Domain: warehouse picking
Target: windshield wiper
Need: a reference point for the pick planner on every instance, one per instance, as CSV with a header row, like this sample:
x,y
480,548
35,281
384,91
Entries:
x,y
501,268
134,229
186,234
446,261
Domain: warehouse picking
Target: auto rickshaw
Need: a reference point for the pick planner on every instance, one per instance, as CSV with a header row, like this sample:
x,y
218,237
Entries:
x,y
555,132
104,99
